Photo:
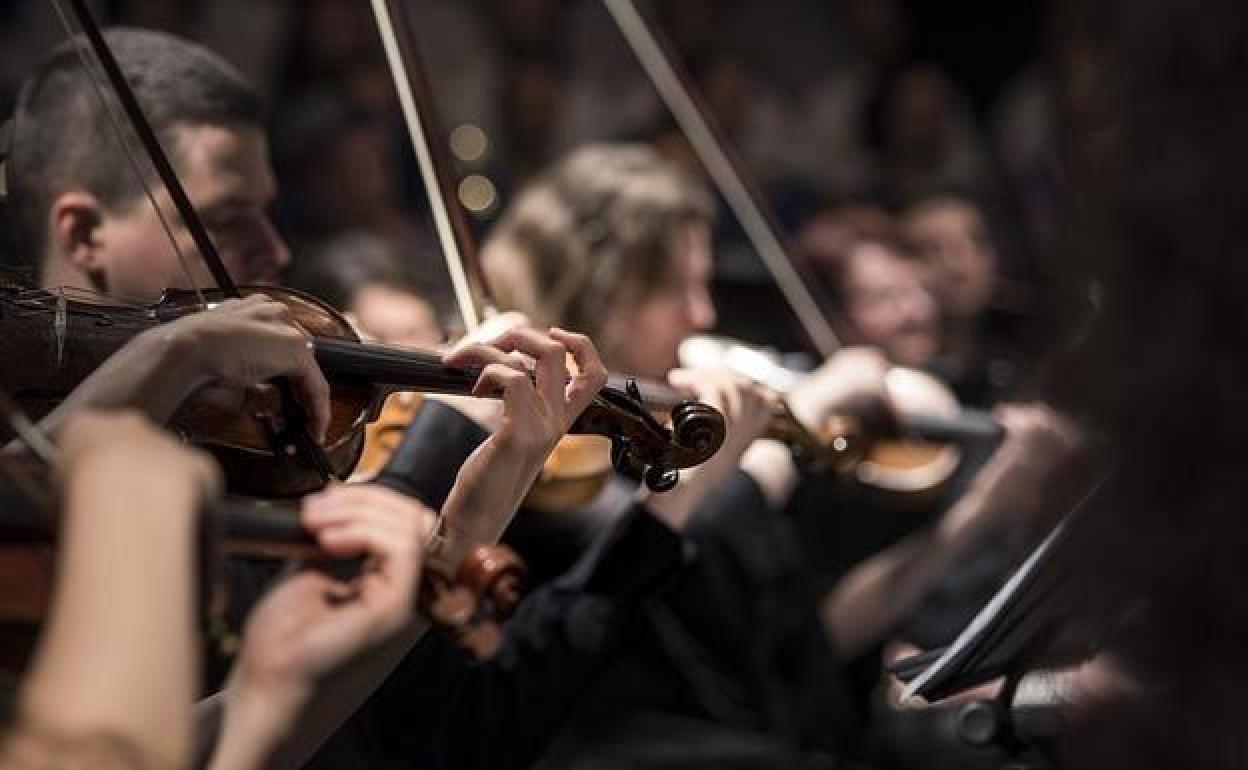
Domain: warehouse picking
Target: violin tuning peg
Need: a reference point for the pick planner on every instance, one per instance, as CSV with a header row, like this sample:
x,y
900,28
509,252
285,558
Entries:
x,y
482,640
622,458
634,392
660,480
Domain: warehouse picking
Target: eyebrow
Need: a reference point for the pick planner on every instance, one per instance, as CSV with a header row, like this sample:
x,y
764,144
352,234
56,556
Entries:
x,y
216,207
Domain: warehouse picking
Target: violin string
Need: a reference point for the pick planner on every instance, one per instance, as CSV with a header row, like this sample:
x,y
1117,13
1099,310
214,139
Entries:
x,y
464,376
94,77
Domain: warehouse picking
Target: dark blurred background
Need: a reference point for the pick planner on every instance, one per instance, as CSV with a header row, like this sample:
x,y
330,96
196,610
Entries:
x,y
828,102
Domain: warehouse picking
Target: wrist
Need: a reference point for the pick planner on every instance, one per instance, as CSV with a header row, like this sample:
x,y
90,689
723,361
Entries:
x,y
974,514
181,357
481,504
257,720
770,464
461,534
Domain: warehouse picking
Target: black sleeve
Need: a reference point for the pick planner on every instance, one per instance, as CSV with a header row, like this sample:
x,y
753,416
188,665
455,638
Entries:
x,y
735,522
435,445
748,562
441,710
747,617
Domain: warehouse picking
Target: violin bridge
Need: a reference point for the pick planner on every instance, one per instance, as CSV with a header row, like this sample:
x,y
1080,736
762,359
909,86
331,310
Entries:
x,y
60,328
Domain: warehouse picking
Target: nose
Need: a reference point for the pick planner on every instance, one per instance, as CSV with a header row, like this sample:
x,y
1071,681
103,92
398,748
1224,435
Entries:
x,y
917,305
701,309
271,255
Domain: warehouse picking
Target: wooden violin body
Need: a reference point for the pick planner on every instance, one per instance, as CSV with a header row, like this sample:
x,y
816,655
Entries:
x,y
54,342
467,602
383,435
904,451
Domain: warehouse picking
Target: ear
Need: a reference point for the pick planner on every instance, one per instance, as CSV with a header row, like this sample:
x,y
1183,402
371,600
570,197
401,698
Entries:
x,y
73,223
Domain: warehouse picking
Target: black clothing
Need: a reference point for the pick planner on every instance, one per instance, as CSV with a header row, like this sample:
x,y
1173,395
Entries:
x,y
434,446
438,709
730,666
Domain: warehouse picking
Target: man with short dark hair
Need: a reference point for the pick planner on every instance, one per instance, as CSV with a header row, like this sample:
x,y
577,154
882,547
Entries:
x,y
80,210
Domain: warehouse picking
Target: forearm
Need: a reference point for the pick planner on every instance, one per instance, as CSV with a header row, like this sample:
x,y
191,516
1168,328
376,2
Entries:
x,y
770,464
877,595
443,448
153,374
275,727
488,491
121,668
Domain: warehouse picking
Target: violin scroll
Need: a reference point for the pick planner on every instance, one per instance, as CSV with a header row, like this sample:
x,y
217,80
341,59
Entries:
x,y
697,432
471,608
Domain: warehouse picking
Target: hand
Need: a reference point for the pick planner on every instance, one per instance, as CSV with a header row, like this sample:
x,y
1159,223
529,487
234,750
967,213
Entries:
x,y
747,409
311,624
539,405
1012,483
850,377
125,443
486,412
1037,439
242,343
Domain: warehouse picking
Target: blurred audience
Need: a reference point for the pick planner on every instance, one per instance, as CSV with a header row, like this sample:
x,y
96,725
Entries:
x,y
362,276
950,235
860,112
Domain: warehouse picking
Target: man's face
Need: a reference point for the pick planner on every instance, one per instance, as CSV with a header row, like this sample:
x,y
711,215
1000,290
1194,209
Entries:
x,y
227,175
952,238
888,306
648,334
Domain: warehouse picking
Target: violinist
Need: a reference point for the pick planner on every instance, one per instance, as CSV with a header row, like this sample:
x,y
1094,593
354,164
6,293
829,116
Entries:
x,y
879,286
950,235
92,231
114,675
614,241
924,288
921,290
901,294
81,218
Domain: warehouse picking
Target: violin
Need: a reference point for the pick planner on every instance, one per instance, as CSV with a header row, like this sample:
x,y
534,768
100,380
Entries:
x,y
383,435
55,342
905,449
468,603
904,455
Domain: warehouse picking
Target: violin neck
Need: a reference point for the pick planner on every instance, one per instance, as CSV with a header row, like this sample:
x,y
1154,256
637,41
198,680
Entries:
x,y
393,368
969,426
657,396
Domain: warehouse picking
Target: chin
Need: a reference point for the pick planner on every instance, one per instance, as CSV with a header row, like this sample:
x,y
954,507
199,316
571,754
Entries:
x,y
655,370
915,355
